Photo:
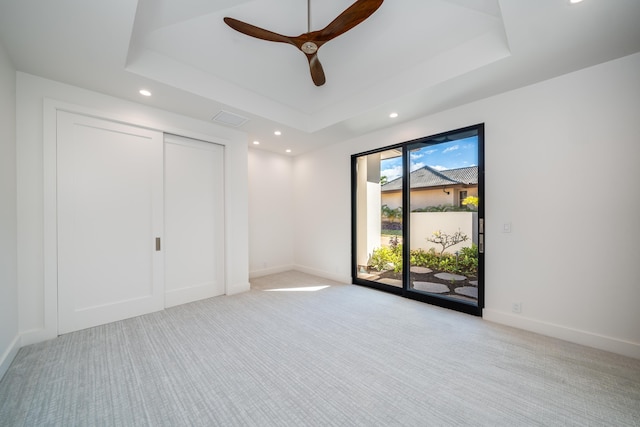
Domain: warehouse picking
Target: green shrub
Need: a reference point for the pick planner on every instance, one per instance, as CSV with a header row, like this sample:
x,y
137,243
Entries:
x,y
447,262
390,258
387,258
468,260
420,258
445,208
391,214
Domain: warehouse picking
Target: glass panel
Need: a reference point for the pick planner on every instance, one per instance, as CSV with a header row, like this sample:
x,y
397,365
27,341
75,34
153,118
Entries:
x,y
444,216
417,215
378,217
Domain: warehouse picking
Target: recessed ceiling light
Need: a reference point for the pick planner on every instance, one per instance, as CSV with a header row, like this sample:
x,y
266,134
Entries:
x,y
288,150
277,133
575,1
256,142
145,92
393,115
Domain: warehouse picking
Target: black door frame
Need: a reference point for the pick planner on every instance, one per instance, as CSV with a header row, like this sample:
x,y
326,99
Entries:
x,y
405,291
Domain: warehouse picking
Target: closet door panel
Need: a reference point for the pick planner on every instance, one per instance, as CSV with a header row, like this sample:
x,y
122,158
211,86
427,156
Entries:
x,y
110,215
194,222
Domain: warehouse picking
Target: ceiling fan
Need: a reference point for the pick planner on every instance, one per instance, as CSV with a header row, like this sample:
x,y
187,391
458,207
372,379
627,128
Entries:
x,y
311,41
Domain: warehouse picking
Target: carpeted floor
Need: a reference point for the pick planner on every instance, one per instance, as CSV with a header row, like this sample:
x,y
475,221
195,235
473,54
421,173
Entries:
x,y
334,355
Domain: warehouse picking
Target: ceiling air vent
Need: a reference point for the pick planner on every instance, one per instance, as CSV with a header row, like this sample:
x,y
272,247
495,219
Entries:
x,y
229,119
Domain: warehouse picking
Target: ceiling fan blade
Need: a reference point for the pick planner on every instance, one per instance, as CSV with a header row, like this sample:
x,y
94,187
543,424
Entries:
x,y
317,73
310,42
352,16
257,32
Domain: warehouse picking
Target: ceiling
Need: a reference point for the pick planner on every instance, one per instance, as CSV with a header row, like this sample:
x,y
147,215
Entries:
x,y
413,57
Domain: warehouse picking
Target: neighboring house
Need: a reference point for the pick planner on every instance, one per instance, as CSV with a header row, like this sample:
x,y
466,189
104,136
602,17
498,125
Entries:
x,y
430,187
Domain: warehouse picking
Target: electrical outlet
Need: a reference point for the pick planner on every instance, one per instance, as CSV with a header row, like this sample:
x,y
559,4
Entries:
x,y
516,307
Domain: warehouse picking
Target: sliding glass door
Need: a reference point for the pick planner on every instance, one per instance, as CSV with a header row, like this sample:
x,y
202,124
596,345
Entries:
x,y
378,218
418,226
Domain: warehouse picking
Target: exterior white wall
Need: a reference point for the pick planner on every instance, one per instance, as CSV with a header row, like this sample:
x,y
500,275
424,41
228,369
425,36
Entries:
x,y
578,128
371,207
270,213
424,224
37,306
9,336
368,207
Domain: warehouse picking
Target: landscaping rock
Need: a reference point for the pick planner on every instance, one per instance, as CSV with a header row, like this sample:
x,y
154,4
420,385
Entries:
x,y
437,288
449,276
469,291
421,270
392,282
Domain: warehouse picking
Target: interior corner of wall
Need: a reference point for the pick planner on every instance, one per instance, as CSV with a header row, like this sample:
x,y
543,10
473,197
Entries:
x,y
237,288
9,354
324,274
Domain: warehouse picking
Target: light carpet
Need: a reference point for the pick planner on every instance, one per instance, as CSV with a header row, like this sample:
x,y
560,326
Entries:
x,y
340,355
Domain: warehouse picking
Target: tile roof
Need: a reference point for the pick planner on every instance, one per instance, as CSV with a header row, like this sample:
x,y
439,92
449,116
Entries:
x,y
429,177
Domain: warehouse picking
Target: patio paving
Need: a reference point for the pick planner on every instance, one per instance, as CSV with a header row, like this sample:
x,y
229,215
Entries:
x,y
449,276
392,282
421,270
437,288
424,279
468,291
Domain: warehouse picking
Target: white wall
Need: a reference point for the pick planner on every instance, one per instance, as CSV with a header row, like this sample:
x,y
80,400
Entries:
x,y
36,99
322,212
270,213
9,337
562,166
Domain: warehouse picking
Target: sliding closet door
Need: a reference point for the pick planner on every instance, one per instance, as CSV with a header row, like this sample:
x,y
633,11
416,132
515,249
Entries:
x,y
194,221
110,215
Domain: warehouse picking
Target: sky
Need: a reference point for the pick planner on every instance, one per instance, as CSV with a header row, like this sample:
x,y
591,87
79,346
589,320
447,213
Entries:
x,y
461,153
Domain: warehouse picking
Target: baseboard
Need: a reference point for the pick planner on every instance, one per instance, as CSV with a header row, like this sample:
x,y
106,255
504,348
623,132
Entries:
x,y
9,355
34,336
238,288
589,339
268,271
320,273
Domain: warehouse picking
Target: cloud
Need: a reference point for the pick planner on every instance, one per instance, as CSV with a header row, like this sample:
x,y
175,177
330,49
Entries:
x,y
439,168
392,172
416,166
452,148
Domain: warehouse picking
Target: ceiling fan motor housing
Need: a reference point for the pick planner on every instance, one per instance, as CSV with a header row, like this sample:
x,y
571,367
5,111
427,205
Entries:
x,y
309,48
